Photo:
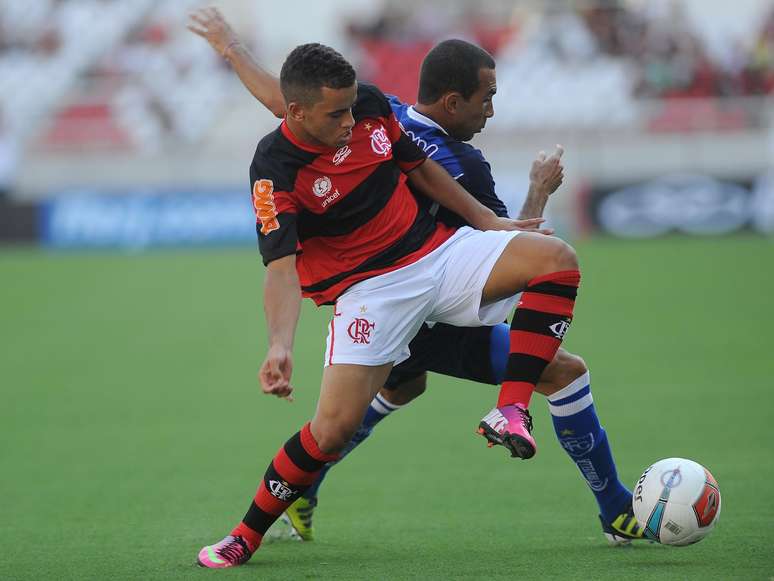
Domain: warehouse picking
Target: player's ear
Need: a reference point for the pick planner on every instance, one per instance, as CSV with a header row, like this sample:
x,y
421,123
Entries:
x,y
295,111
451,102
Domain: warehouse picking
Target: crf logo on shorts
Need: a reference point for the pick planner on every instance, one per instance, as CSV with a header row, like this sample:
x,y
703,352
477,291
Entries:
x,y
380,143
360,330
263,202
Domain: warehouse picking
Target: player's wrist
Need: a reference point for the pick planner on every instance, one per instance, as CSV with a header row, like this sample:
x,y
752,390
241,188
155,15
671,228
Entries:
x,y
538,189
483,219
231,46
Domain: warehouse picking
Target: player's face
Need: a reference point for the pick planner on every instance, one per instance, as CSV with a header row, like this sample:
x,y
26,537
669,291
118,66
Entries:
x,y
329,121
473,113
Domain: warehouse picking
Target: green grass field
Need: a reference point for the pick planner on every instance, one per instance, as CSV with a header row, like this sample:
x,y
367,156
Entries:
x,y
133,430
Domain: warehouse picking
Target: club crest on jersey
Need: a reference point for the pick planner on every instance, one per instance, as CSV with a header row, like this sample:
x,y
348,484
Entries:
x,y
380,143
263,203
341,155
360,330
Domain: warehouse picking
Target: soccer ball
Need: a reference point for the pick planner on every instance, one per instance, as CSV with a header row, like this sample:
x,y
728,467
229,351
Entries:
x,y
676,501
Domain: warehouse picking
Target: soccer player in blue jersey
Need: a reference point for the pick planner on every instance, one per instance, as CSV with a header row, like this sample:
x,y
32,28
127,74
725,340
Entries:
x,y
457,86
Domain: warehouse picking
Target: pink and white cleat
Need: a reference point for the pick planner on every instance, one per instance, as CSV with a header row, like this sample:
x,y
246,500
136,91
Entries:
x,y
510,426
229,552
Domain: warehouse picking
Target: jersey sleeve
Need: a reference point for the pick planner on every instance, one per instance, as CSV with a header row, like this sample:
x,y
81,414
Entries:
x,y
275,216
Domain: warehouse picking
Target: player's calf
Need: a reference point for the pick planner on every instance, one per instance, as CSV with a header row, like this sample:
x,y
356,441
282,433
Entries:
x,y
546,270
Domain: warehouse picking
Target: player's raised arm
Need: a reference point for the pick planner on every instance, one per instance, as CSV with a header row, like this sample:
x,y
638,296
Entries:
x,y
211,26
545,177
282,304
436,183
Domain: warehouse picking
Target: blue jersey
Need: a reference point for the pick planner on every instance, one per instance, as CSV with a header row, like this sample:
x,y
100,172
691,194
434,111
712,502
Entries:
x,y
465,163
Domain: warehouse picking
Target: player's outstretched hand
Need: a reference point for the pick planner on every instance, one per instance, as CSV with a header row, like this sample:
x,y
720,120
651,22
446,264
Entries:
x,y
212,27
547,173
275,373
528,225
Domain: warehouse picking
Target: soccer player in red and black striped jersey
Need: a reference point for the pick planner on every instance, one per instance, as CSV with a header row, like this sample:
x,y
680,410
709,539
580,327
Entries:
x,y
338,224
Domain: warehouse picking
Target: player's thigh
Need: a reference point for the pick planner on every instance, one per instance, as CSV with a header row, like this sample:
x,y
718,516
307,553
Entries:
x,y
468,264
525,257
345,394
462,352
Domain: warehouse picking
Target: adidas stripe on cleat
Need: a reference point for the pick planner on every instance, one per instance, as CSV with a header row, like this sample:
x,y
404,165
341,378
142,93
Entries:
x,y
623,529
299,516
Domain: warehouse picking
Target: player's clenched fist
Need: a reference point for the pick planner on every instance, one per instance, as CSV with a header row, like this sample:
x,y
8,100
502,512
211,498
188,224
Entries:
x,y
547,173
211,26
275,373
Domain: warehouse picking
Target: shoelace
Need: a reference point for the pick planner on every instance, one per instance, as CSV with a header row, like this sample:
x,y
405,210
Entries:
x,y
526,419
234,550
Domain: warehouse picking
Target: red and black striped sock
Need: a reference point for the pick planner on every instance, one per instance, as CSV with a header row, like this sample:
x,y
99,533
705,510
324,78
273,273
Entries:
x,y
543,316
291,472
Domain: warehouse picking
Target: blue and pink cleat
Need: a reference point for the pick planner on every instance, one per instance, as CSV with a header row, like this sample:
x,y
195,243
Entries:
x,y
509,426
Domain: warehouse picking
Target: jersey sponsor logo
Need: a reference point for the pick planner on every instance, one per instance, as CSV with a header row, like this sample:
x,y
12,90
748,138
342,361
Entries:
x,y
430,149
560,328
380,143
263,203
360,330
321,186
341,155
281,490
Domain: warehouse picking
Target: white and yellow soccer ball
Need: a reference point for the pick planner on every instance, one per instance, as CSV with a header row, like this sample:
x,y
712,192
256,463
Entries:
x,y
676,501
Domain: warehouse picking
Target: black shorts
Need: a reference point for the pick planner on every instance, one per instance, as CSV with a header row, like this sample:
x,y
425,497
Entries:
x,y
454,351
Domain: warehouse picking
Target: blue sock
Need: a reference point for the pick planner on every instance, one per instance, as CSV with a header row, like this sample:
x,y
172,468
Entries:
x,y
583,438
379,409
499,349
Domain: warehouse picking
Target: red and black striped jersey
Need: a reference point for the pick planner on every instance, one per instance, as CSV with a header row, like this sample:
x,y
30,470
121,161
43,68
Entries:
x,y
346,213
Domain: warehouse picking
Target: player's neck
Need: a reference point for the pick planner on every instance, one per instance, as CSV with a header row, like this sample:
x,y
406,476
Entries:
x,y
299,136
432,113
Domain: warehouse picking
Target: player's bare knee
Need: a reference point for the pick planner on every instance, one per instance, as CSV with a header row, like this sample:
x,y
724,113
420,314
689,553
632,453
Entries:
x,y
564,256
574,367
331,437
565,368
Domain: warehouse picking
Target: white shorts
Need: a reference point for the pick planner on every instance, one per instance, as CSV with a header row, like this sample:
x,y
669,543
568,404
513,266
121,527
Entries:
x,y
374,320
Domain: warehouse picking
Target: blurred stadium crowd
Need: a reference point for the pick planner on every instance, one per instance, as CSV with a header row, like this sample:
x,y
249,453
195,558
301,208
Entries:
x,y
109,74
663,51
117,94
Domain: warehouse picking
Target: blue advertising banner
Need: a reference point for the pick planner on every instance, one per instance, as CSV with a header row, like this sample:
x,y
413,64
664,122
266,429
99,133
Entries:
x,y
145,219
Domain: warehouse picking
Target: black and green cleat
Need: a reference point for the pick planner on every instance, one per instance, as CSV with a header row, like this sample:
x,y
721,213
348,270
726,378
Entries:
x,y
623,529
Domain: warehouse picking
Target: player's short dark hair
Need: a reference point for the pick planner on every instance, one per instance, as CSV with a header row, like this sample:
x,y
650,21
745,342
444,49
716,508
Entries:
x,y
452,66
309,68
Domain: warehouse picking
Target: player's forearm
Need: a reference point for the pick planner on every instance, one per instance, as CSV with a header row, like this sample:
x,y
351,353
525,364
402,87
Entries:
x,y
535,203
436,183
282,303
262,84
